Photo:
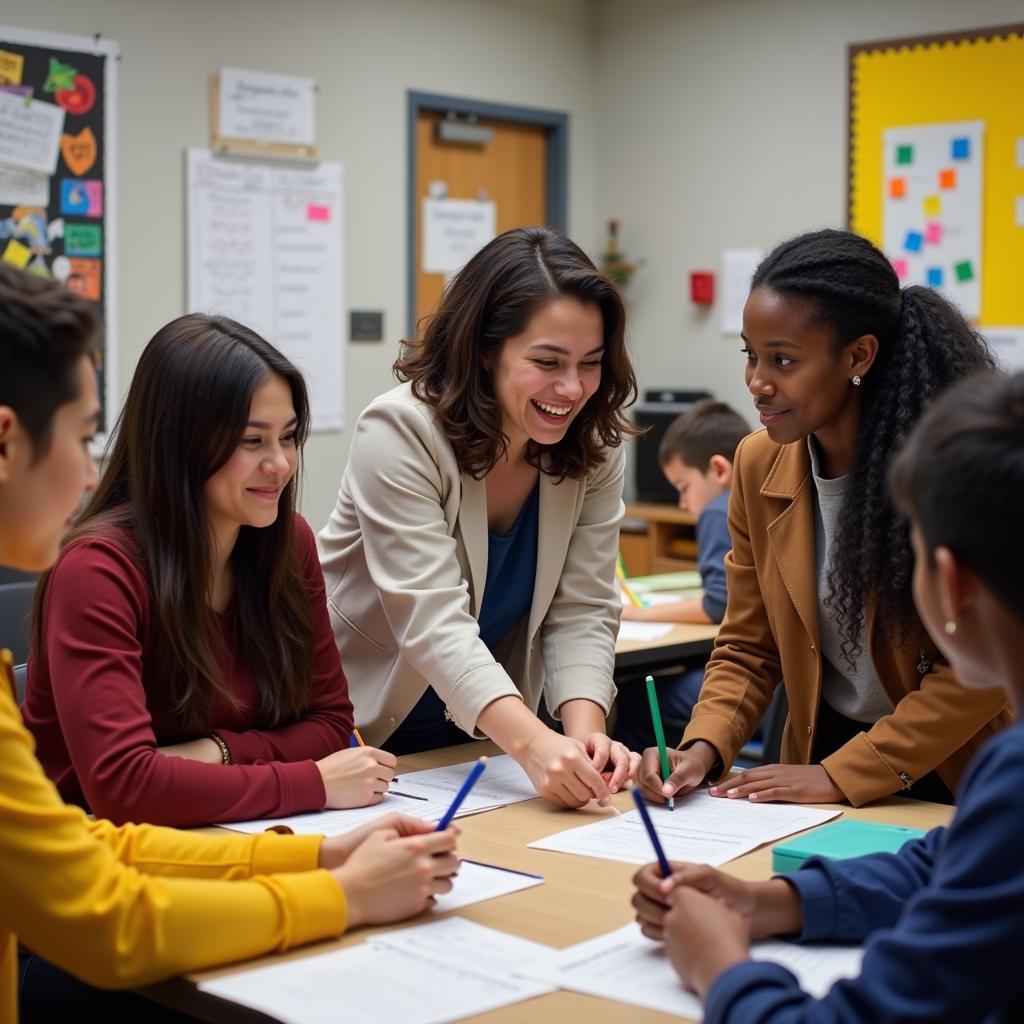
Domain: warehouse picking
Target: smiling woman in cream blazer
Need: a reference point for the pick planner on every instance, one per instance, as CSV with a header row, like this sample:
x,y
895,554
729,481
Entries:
x,y
470,557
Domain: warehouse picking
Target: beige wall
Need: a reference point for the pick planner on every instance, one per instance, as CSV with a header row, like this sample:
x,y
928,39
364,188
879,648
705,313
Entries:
x,y
722,125
365,54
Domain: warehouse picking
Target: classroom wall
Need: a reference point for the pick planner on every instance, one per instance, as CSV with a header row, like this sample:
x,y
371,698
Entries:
x,y
723,125
365,55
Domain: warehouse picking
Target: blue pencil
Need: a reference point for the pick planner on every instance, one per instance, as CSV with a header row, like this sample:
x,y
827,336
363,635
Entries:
x,y
475,773
641,806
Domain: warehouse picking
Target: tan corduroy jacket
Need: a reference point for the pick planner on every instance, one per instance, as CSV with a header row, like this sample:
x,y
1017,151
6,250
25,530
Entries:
x,y
770,633
405,558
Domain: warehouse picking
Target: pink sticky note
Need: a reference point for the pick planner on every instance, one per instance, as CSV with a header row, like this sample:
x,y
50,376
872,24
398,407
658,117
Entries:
x,y
316,212
933,233
900,266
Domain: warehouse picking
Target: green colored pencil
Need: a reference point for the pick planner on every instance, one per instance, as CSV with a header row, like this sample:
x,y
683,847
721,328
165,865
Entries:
x,y
659,735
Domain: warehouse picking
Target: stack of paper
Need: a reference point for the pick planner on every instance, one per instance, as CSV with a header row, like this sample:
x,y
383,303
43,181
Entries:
x,y
702,828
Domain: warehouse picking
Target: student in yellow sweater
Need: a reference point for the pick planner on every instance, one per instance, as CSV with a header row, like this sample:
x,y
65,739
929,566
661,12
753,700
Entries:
x,y
123,907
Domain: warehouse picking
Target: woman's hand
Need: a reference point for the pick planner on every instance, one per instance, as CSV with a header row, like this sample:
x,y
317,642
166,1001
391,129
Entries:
x,y
356,776
389,877
562,770
689,769
789,783
614,760
336,850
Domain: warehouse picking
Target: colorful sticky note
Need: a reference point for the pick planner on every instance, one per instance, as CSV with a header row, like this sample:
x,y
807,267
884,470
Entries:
x,y
84,198
912,243
897,188
933,277
83,240
961,149
904,154
947,178
964,271
933,233
17,254
900,266
84,278
79,151
11,67
932,206
61,76
317,212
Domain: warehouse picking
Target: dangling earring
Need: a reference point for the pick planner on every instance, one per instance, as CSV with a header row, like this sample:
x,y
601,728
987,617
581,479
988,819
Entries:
x,y
950,627
855,380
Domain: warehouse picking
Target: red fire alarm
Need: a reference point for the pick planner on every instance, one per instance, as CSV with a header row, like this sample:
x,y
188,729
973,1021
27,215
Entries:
x,y
702,287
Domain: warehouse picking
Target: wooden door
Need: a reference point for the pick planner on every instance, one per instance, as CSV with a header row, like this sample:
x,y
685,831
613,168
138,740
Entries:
x,y
511,170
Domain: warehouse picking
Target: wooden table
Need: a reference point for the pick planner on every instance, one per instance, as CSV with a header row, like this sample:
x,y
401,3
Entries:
x,y
582,898
686,641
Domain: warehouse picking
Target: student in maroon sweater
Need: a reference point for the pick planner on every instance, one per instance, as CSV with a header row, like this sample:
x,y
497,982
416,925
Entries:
x,y
183,668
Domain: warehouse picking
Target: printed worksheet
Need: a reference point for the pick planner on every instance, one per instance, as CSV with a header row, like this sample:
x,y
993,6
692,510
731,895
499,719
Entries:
x,y
503,782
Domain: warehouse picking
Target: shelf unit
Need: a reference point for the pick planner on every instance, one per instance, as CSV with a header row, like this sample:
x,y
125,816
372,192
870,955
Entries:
x,y
648,535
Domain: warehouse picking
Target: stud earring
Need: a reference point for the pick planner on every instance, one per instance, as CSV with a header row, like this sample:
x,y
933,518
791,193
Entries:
x,y
950,627
855,380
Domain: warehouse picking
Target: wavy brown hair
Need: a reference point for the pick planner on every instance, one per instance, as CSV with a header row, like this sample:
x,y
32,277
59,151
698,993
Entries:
x,y
492,299
185,413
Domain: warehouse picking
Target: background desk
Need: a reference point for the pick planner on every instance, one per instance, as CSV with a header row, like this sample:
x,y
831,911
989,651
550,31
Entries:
x,y
685,642
581,898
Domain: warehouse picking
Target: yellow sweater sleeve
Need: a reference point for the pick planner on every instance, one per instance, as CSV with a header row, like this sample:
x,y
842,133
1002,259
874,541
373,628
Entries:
x,y
110,904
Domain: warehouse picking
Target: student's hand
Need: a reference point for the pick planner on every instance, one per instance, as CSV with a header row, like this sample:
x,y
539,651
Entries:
x,y
789,783
390,877
703,937
562,769
689,769
614,760
356,776
336,850
769,908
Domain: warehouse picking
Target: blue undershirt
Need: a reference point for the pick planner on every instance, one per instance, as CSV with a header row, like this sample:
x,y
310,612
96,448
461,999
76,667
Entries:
x,y
508,595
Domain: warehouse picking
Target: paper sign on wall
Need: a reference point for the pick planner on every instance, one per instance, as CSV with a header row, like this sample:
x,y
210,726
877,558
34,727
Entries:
x,y
455,230
1007,345
261,107
29,133
738,266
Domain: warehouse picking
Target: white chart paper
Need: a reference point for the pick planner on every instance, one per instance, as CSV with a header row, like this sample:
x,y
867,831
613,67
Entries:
x,y
702,828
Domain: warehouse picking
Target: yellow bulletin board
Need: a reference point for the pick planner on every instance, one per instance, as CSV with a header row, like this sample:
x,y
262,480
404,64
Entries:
x,y
964,77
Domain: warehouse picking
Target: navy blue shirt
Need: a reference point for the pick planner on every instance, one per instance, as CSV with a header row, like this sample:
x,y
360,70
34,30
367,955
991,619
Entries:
x,y
943,920
713,544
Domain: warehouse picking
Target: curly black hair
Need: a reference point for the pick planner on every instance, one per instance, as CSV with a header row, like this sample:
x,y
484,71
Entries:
x,y
924,345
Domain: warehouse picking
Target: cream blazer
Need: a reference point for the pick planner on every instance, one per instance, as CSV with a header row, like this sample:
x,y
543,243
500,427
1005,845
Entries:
x,y
404,555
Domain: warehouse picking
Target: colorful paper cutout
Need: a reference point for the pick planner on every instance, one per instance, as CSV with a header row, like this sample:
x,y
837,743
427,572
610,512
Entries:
x,y
39,268
61,268
947,178
318,213
84,278
83,240
79,99
29,226
17,254
961,149
933,233
904,154
964,271
11,67
55,229
933,277
61,76
900,266
912,243
79,151
932,206
897,187
84,198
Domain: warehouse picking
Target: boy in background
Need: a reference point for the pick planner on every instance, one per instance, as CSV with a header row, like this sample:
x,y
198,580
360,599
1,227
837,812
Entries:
x,y
696,456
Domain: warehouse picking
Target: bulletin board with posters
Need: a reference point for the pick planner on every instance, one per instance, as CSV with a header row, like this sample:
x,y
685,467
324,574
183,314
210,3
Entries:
x,y
58,119
936,163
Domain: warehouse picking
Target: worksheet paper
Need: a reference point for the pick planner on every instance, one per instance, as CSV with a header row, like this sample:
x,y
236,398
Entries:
x,y
629,968
702,828
502,782
427,975
477,882
644,631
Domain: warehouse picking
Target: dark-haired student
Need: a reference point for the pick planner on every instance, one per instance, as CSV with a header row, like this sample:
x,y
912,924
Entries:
x,y
841,362
183,668
123,907
942,918
470,557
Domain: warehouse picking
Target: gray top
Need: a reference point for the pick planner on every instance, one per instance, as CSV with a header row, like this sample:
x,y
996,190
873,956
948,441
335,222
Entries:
x,y
857,694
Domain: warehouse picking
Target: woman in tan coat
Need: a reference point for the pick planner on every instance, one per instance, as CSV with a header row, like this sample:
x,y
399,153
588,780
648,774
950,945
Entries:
x,y
840,362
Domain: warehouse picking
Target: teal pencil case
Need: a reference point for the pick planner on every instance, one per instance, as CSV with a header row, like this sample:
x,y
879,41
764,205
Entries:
x,y
842,839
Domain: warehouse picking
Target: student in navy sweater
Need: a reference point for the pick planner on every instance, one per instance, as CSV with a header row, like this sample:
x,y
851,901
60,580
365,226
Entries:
x,y
943,920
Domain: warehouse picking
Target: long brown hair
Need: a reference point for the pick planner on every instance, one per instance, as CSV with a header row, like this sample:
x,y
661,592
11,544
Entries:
x,y
491,300
185,413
